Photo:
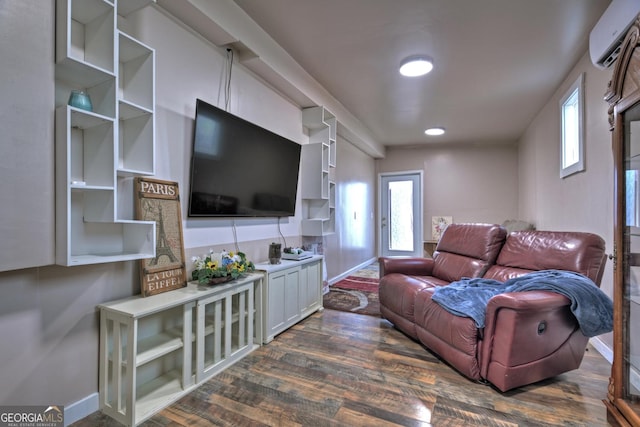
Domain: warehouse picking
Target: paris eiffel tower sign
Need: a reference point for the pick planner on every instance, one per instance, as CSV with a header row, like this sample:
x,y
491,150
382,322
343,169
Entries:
x,y
159,201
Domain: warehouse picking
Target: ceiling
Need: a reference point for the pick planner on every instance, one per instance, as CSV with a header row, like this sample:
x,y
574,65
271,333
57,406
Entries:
x,y
496,62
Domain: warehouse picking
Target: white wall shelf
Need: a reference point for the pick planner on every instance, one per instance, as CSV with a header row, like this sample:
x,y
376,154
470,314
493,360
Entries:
x,y
85,38
136,102
126,7
315,171
94,149
318,163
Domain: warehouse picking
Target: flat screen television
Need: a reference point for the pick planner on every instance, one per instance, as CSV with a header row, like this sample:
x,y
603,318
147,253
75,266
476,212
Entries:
x,y
239,169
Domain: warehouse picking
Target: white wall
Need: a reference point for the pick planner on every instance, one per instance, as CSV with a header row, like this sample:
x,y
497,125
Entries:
x,y
355,239
471,183
580,202
26,150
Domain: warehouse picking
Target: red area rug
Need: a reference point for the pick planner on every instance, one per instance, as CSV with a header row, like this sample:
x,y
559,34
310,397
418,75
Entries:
x,y
355,295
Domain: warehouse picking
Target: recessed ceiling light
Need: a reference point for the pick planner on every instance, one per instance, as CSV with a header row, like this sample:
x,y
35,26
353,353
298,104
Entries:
x,y
415,66
434,131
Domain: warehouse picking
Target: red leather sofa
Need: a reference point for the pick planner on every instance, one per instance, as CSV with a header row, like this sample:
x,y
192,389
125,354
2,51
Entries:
x,y
528,336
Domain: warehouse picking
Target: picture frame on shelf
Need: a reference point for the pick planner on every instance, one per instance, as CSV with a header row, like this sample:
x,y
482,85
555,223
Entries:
x,y
159,200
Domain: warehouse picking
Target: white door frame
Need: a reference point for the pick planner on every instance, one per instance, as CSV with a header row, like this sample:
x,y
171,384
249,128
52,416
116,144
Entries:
x,y
418,235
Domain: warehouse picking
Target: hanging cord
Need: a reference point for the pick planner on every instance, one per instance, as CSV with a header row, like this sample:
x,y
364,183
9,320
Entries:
x,y
227,100
227,88
235,236
282,235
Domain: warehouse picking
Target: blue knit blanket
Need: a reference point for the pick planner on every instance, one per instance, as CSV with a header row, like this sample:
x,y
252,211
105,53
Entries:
x,y
592,308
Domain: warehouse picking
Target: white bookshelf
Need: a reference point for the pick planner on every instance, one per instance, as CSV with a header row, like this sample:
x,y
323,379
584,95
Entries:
x,y
96,150
318,163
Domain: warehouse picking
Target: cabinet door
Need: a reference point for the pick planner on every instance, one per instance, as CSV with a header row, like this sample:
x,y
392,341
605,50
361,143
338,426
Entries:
x,y
283,294
224,330
310,287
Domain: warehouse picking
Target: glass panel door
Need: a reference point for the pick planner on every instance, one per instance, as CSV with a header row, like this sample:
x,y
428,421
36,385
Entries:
x,y
401,214
632,249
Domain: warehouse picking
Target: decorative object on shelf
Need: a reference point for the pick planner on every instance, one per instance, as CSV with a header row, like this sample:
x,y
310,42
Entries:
x,y
296,254
219,280
220,267
438,225
80,99
275,253
159,201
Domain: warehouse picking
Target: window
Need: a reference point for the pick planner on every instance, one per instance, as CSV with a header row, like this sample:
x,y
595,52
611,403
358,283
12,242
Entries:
x,y
572,147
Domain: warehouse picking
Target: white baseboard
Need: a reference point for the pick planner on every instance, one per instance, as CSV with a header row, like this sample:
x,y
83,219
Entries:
x,y
602,348
348,272
607,353
81,409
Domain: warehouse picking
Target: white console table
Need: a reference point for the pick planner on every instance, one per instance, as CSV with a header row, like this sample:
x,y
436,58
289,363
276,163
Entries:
x,y
154,350
292,291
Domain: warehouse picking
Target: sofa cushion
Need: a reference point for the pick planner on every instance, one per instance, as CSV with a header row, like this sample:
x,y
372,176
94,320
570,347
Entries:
x,y
467,250
397,294
451,267
526,251
454,338
480,241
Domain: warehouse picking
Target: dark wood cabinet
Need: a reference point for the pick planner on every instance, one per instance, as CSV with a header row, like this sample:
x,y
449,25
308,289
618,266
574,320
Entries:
x,y
623,96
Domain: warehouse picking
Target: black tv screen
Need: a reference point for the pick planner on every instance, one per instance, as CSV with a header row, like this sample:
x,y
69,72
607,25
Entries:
x,y
239,168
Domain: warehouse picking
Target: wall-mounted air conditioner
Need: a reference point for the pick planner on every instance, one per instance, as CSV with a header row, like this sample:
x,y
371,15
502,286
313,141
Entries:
x,y
608,33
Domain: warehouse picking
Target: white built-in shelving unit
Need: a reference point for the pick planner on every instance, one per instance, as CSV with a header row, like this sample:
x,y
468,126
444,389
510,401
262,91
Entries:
x,y
318,163
156,349
99,151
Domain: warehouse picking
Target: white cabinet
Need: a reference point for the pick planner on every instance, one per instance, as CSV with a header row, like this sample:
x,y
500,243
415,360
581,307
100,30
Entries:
x,y
318,161
292,291
154,350
98,151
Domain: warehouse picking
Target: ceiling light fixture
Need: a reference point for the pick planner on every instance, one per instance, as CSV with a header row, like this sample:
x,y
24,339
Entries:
x,y
415,66
434,131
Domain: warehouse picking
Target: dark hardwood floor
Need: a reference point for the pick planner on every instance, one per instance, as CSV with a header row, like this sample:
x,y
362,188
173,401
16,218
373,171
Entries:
x,y
343,369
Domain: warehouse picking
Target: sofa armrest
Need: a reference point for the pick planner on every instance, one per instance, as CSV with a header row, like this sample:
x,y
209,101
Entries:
x,y
521,304
529,300
409,266
521,327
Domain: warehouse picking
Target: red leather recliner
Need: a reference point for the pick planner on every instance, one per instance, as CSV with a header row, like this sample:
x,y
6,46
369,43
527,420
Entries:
x,y
528,336
465,250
